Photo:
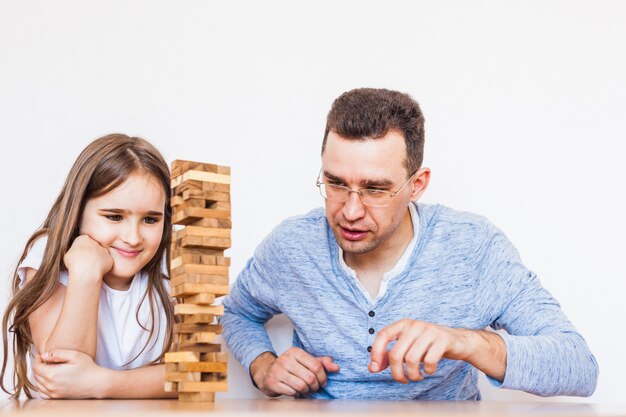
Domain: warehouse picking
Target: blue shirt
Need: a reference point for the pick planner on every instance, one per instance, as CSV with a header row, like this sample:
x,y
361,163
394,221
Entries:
x,y
463,272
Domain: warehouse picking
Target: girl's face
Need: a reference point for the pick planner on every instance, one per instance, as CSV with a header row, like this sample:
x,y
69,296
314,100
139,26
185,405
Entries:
x,y
128,221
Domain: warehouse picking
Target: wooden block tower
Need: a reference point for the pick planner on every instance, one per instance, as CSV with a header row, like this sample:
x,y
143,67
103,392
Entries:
x,y
196,367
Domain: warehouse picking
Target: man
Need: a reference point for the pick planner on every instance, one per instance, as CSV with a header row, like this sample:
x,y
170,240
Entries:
x,y
389,297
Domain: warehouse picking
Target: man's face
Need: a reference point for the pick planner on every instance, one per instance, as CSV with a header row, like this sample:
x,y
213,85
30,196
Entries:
x,y
360,164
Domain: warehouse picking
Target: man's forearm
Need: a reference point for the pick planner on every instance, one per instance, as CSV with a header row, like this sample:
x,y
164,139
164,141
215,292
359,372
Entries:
x,y
259,367
486,351
144,382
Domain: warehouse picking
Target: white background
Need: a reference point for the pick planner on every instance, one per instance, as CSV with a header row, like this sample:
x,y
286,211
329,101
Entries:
x,y
525,106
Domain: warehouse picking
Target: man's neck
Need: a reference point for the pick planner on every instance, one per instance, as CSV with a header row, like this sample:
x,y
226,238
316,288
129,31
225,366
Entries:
x,y
385,257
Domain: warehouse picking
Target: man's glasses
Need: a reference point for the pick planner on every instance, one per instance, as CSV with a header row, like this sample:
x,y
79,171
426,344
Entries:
x,y
370,197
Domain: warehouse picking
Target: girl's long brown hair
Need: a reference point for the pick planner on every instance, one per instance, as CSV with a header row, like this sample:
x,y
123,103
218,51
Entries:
x,y
103,165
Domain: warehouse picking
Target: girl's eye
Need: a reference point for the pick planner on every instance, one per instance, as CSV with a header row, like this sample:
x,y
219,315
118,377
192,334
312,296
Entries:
x,y
151,220
114,217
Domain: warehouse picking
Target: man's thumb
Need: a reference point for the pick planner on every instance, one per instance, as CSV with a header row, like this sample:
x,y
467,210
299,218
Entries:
x,y
328,364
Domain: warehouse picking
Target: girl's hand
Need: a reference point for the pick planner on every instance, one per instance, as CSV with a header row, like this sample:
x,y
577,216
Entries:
x,y
68,374
88,257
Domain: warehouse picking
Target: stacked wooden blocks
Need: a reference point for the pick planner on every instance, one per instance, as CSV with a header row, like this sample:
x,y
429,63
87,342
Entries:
x,y
196,367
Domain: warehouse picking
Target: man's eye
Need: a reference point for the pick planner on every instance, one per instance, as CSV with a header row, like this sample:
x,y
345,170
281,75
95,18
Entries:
x,y
375,191
114,217
150,220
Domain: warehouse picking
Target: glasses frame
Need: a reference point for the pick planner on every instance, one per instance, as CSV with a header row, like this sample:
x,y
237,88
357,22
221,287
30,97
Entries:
x,y
361,191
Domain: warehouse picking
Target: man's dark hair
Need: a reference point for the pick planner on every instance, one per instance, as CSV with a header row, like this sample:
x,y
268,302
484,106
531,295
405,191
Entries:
x,y
370,113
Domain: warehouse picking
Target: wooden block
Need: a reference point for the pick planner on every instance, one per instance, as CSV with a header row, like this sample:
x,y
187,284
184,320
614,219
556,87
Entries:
x,y
213,376
212,186
185,165
195,175
199,269
196,397
223,170
204,367
199,319
214,357
178,357
170,386
193,214
175,170
198,213
189,242
199,259
201,231
188,258
221,260
200,348
187,185
187,309
216,223
177,164
171,367
218,205
178,251
179,203
216,242
185,290
192,341
199,279
209,386
180,166
194,328
182,376
201,299
206,195
205,167
193,338
204,242
200,186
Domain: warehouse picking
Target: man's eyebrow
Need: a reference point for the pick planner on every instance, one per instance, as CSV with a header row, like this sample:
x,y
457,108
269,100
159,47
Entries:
x,y
332,177
122,211
379,183
383,183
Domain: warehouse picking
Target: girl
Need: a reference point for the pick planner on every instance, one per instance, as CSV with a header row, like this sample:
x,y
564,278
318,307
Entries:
x,y
90,305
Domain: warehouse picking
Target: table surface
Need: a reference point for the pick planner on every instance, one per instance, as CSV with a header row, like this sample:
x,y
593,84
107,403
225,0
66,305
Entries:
x,y
288,407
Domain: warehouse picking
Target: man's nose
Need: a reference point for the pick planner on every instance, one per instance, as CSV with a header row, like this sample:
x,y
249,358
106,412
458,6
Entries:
x,y
353,208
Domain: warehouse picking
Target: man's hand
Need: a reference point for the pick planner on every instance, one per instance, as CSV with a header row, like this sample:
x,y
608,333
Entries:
x,y
422,342
67,374
292,373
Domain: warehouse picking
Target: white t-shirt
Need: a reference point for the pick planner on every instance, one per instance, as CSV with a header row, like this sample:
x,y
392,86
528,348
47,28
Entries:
x,y
393,272
120,337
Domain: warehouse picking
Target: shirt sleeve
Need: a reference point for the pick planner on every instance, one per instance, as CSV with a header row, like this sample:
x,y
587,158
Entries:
x,y
546,356
252,302
32,260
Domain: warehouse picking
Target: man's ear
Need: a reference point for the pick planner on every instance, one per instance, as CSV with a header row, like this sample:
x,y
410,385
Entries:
x,y
420,182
